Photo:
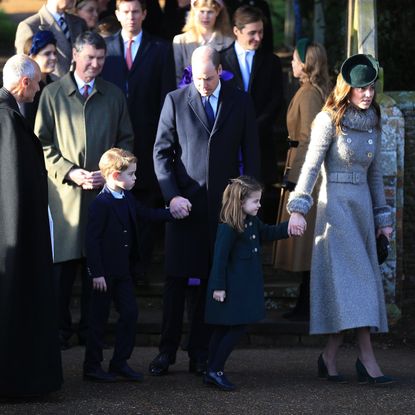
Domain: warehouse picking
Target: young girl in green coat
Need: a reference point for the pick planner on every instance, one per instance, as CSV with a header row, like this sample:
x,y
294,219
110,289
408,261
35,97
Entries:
x,y
235,295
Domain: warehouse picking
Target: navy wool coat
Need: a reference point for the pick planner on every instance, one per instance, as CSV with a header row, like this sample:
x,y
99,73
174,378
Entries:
x,y
193,162
237,269
108,242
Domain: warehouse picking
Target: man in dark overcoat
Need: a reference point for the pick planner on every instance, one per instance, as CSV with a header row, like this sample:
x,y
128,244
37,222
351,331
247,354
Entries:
x,y
257,71
145,80
201,131
30,361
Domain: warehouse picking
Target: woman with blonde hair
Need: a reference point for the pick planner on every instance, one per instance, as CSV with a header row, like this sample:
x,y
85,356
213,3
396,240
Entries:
x,y
309,66
346,283
207,24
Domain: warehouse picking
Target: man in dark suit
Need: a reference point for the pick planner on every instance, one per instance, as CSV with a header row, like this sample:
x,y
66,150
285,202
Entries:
x,y
201,130
143,67
258,72
65,26
30,358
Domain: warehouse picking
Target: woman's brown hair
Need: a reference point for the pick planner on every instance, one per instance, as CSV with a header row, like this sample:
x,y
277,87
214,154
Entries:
x,y
236,192
315,69
338,102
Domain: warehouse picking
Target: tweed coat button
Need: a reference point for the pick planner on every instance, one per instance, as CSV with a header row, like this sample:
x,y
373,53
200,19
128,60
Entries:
x,y
370,141
250,223
369,154
253,236
246,225
125,230
349,140
255,250
126,246
369,130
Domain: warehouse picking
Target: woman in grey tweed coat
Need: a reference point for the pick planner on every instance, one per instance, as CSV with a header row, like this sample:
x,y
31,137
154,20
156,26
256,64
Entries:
x,y
346,284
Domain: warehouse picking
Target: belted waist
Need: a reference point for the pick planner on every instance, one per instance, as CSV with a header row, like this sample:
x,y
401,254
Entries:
x,y
352,177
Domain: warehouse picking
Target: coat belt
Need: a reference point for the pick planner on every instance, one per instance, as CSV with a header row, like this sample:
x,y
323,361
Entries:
x,y
352,177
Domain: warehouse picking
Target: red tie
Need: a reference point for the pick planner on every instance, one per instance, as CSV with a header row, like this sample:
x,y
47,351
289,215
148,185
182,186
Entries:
x,y
129,55
86,93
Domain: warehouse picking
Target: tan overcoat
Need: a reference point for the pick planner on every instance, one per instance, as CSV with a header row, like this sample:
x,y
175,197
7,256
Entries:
x,y
294,254
75,132
43,20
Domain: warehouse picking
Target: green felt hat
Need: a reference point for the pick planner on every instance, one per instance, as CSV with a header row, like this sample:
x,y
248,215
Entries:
x,y
360,70
301,47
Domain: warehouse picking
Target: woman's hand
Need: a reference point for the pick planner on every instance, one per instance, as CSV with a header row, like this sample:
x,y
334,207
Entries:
x,y
387,231
297,224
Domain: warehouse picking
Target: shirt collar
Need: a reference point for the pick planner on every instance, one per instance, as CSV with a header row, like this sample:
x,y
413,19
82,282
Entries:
x,y
240,50
137,38
80,83
116,195
56,15
216,92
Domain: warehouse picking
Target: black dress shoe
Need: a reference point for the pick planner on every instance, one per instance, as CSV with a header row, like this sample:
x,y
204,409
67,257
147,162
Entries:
x,y
160,364
199,367
323,372
364,377
126,372
218,379
98,375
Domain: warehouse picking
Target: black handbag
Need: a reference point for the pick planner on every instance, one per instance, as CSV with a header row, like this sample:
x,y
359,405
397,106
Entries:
x,y
382,248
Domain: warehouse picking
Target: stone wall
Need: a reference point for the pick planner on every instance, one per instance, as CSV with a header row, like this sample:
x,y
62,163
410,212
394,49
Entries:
x,y
405,101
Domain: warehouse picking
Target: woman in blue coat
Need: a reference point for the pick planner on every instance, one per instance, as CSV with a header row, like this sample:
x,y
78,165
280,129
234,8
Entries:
x,y
235,295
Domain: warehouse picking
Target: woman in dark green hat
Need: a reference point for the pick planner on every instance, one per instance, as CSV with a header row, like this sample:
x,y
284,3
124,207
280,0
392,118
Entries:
x,y
346,284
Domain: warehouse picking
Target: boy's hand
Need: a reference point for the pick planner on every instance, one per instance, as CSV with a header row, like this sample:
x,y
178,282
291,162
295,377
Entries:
x,y
99,284
219,295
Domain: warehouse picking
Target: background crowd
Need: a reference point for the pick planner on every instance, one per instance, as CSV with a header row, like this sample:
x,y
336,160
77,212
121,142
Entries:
x,y
125,74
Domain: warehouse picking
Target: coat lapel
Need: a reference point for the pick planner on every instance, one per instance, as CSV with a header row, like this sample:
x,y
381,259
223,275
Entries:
x,y
224,107
195,103
142,50
256,66
233,64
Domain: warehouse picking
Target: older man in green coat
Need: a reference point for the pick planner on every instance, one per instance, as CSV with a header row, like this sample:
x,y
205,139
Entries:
x,y
79,118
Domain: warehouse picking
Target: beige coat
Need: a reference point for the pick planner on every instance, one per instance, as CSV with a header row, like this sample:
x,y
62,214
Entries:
x,y
294,254
185,44
74,132
45,21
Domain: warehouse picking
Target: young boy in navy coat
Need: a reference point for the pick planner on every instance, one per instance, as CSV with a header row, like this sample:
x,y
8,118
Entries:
x,y
111,245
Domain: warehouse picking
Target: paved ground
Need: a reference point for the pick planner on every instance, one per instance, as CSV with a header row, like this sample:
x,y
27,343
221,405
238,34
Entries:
x,y
270,381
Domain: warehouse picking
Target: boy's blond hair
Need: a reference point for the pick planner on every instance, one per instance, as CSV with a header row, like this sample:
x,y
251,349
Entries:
x,y
115,159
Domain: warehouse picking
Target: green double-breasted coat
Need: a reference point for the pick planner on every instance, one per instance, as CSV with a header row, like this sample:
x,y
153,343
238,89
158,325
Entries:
x,y
237,269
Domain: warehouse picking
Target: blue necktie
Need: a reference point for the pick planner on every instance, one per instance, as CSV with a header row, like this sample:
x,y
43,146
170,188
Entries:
x,y
65,28
246,73
209,112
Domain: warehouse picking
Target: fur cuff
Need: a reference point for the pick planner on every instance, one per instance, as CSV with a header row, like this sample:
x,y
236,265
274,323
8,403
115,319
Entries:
x,y
383,216
299,202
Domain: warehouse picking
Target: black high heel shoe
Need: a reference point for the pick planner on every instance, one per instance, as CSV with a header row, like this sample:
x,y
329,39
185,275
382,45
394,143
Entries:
x,y
364,377
323,373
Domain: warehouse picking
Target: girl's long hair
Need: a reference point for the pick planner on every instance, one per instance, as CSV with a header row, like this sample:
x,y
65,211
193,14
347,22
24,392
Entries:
x,y
315,69
338,102
222,23
236,192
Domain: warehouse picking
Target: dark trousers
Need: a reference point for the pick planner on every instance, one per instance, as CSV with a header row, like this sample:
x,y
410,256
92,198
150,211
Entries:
x,y
65,274
174,297
121,291
222,343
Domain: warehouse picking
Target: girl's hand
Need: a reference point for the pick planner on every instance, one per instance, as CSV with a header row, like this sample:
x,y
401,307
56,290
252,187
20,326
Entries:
x,y
297,224
219,295
387,231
